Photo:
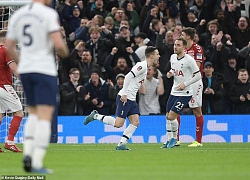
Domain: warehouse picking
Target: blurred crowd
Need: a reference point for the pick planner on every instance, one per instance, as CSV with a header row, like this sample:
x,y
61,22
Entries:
x,y
107,37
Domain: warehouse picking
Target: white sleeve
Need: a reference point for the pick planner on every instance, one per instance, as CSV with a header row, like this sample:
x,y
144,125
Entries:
x,y
196,77
138,68
53,23
126,82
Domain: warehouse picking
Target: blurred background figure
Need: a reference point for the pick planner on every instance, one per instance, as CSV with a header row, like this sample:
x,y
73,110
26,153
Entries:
x,y
149,93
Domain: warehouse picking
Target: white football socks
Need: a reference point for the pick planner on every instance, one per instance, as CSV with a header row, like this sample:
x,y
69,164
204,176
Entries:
x,y
29,130
175,128
105,119
41,142
129,131
169,130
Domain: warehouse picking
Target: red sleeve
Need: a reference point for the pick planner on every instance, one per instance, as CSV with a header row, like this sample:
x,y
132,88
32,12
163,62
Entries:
x,y
199,54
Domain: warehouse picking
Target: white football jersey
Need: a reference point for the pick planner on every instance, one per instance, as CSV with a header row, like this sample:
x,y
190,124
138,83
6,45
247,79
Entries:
x,y
183,69
31,26
139,71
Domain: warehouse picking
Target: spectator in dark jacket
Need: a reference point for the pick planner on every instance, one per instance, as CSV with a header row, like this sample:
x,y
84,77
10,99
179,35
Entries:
x,y
98,90
220,16
85,65
212,29
120,67
166,8
217,53
73,20
240,34
230,71
151,20
233,9
124,45
99,47
75,35
98,9
240,93
213,91
73,98
165,45
189,18
205,11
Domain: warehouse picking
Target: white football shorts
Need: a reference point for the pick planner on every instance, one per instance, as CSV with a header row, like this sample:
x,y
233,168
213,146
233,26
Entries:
x,y
9,100
196,100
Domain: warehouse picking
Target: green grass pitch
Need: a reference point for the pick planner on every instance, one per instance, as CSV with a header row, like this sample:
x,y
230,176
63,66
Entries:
x,y
226,161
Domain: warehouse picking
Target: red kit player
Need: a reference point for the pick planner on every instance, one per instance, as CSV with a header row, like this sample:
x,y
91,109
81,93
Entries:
x,y
8,97
195,103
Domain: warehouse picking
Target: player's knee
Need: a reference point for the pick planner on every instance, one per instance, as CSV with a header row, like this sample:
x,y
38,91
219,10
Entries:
x,y
118,124
135,123
19,113
197,112
170,117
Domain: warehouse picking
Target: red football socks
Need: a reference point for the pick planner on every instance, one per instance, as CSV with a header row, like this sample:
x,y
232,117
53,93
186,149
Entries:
x,y
14,125
199,128
179,123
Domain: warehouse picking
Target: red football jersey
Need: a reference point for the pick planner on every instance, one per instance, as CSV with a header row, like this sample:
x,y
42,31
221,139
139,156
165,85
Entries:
x,y
5,71
196,52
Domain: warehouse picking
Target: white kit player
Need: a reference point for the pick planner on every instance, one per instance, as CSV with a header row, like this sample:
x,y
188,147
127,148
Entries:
x,y
126,99
185,72
195,103
35,28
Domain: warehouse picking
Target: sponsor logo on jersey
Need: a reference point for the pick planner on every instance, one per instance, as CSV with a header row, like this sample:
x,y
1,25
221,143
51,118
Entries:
x,y
199,56
178,73
139,68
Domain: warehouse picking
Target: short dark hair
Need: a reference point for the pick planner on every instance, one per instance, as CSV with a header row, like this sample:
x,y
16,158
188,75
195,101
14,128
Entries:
x,y
165,20
150,50
184,42
73,70
190,32
87,50
155,22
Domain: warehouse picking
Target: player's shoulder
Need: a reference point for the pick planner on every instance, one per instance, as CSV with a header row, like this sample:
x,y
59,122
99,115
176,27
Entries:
x,y
188,57
173,56
19,12
48,9
197,47
44,10
142,64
